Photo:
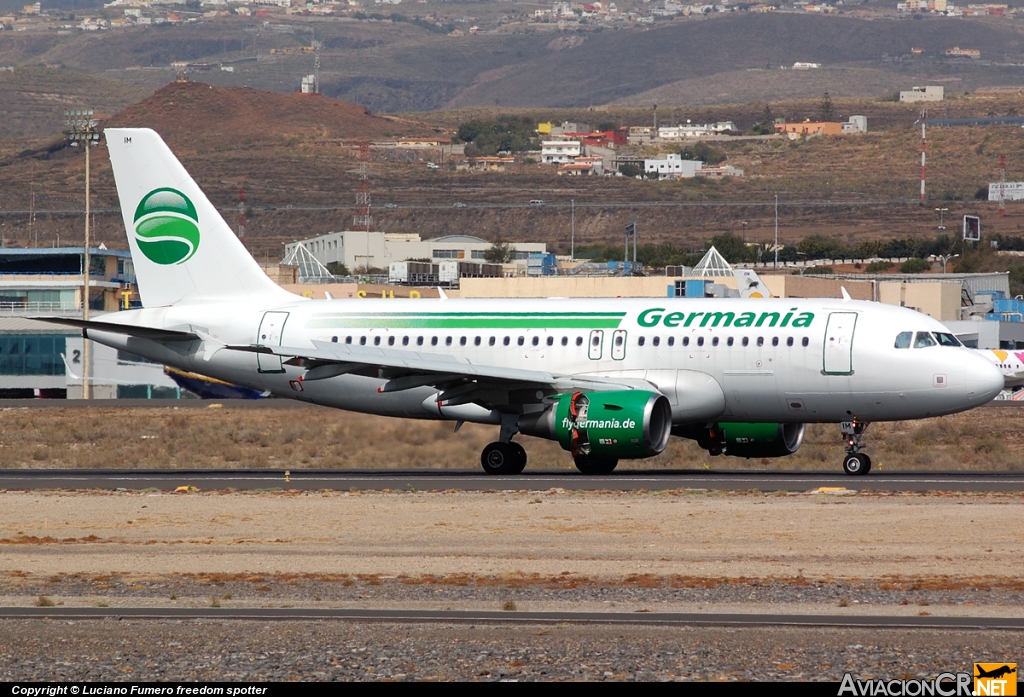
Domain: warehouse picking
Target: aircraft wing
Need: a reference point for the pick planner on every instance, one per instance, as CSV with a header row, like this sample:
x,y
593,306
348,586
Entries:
x,y
408,369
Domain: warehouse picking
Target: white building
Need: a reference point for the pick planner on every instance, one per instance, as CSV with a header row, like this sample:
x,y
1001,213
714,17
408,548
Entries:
x,y
695,130
856,124
357,249
673,167
560,152
929,93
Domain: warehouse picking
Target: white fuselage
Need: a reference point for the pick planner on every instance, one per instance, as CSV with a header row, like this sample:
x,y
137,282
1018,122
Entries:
x,y
819,360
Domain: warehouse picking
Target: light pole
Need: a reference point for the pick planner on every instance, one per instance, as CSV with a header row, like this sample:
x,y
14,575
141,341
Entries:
x,y
941,211
776,231
84,131
945,258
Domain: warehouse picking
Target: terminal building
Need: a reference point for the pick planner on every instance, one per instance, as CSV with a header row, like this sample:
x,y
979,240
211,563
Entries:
x,y
359,249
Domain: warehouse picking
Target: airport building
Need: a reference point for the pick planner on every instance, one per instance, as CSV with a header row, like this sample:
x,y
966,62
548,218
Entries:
x,y
358,249
38,359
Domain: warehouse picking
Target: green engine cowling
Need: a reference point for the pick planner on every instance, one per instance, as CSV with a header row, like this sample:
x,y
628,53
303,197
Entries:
x,y
760,440
630,424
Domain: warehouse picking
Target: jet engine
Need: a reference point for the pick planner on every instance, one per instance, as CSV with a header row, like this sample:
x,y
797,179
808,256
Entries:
x,y
630,424
748,439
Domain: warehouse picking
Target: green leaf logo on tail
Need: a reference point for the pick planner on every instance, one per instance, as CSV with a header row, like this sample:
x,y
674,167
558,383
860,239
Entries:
x,y
165,227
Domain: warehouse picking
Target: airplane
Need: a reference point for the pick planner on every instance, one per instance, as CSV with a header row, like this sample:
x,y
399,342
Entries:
x,y
609,379
1010,363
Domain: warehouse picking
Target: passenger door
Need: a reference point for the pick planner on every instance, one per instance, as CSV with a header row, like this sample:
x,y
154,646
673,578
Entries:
x,y
838,350
270,333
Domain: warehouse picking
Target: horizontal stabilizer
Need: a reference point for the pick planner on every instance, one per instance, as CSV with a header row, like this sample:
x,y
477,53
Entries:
x,y
127,329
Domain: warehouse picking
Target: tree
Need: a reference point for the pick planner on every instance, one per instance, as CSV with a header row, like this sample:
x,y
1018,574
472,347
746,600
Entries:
x,y
766,126
628,169
915,265
500,253
826,111
731,247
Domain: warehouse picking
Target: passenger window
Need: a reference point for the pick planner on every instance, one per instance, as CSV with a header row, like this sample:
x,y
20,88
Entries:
x,y
746,341
923,340
490,342
433,341
362,341
462,341
476,341
419,341
579,341
334,339
728,342
714,342
536,340
700,341
903,340
760,341
521,341
565,341
789,341
805,341
448,341
686,341
348,340
405,341
671,341
775,341
656,341
551,341
596,341
618,339
506,340
640,341
391,341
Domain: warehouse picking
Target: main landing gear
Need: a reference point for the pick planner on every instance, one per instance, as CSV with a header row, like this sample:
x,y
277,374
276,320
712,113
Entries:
x,y
503,456
855,463
595,464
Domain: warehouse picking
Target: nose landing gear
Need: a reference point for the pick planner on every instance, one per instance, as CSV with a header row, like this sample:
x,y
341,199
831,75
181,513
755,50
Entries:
x,y
855,463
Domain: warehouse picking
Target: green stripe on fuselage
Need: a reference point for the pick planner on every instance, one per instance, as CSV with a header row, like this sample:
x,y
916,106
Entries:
x,y
470,320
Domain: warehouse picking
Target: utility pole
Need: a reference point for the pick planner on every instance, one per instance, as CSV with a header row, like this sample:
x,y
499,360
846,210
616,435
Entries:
x,y
776,231
572,239
84,131
924,117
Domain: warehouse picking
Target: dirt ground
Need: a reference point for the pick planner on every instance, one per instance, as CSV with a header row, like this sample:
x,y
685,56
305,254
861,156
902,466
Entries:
x,y
672,538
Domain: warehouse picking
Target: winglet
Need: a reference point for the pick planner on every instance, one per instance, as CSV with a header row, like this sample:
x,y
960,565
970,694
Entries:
x,y
846,296
441,294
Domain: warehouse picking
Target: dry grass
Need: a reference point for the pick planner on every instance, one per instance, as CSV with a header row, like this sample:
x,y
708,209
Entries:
x,y
189,438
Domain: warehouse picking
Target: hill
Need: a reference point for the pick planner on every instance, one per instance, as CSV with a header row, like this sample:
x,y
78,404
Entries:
x,y
193,116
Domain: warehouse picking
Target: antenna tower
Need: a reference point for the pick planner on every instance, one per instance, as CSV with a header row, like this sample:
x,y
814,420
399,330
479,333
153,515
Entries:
x,y
241,213
316,66
1002,186
363,220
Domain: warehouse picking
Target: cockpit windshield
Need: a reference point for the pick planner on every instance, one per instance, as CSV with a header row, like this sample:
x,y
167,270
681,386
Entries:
x,y
925,339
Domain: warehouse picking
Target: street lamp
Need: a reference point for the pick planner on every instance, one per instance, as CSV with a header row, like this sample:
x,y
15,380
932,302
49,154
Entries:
x,y
84,131
941,211
945,258
776,231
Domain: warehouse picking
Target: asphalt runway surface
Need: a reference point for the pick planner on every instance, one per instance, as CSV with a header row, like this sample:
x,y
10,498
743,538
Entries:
x,y
513,617
474,480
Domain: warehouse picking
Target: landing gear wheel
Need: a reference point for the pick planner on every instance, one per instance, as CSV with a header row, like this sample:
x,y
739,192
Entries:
x,y
520,454
503,458
857,464
595,464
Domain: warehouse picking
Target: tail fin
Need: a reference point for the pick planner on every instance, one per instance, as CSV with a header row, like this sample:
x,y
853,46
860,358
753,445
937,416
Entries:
x,y
182,249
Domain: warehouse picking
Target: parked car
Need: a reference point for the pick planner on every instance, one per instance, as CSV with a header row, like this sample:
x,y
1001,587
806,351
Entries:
x,y
536,202
390,205
431,165
458,204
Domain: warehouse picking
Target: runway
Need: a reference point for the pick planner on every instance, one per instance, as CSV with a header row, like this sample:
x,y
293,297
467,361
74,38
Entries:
x,y
502,617
474,480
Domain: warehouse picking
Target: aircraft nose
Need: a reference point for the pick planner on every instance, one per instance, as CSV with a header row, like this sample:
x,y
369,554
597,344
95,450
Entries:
x,y
983,380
